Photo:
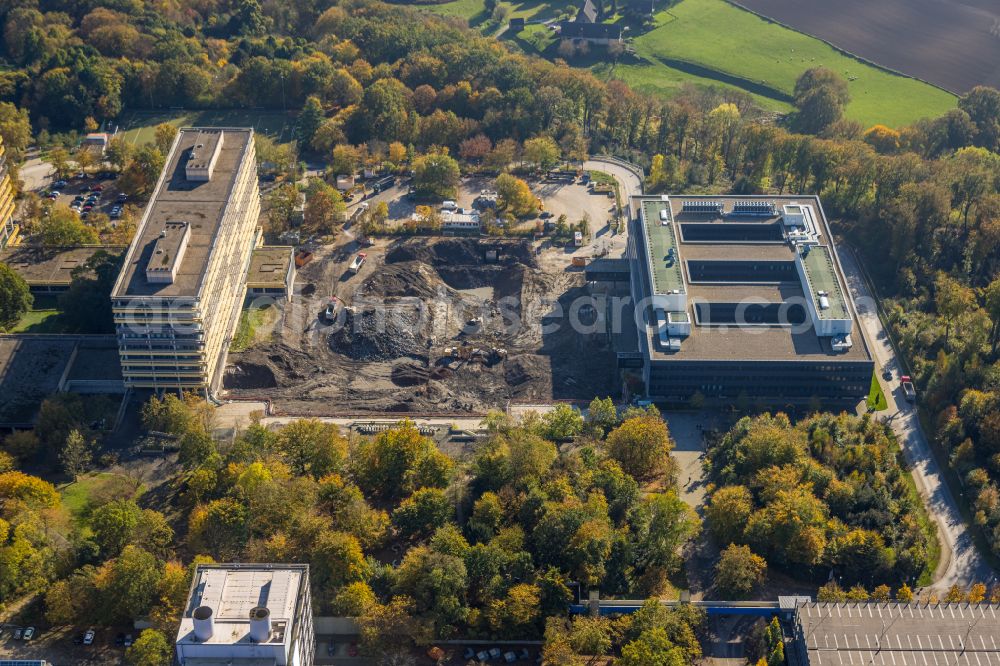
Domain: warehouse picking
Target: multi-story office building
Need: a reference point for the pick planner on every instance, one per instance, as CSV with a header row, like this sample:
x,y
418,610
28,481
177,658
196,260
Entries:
x,y
743,296
8,230
177,301
247,614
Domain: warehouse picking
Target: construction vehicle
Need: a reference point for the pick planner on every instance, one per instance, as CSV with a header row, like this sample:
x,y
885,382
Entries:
x,y
472,354
908,389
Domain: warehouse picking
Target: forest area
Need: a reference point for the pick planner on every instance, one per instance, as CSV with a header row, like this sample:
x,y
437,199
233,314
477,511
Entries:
x,y
921,204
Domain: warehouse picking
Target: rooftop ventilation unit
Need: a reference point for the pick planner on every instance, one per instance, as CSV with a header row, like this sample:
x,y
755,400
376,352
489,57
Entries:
x,y
203,155
841,343
702,207
168,252
754,208
260,624
204,624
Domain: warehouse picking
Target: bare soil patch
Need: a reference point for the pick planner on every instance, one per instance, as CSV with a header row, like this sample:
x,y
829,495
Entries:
x,y
413,303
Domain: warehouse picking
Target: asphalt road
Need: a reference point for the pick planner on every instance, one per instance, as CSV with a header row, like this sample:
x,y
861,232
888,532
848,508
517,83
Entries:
x,y
961,563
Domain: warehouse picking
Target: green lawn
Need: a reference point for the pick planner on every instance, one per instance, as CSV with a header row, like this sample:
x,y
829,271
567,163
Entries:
x,y
255,324
43,317
876,398
475,10
711,38
80,496
138,126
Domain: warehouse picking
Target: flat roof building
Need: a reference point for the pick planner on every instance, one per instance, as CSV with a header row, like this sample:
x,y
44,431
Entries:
x,y
272,272
247,615
894,634
743,296
51,269
177,300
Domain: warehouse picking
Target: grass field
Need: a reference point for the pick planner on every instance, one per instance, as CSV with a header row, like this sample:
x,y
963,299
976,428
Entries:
x,y
80,496
137,126
711,42
876,398
255,325
43,317
719,37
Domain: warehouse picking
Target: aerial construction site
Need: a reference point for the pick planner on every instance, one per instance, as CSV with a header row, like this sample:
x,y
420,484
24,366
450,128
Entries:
x,y
429,326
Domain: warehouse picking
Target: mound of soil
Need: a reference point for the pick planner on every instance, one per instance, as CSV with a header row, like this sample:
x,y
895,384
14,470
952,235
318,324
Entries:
x,y
459,251
376,335
249,376
404,279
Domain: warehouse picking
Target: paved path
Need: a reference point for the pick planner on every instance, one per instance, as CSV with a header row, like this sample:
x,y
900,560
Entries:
x,y
237,414
961,562
36,174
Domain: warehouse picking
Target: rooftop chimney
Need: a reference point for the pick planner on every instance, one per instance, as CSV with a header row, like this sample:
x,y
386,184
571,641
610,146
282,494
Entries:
x,y
204,625
260,624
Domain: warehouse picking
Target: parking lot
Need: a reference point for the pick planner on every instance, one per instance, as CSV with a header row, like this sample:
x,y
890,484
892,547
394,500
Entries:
x,y
64,645
88,195
572,199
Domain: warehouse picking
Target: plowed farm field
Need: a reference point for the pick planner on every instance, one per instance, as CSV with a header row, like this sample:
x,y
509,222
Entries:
x,y
954,44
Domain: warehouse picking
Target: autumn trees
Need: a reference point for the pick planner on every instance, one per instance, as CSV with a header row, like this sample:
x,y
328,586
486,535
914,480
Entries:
x,y
820,96
825,492
15,297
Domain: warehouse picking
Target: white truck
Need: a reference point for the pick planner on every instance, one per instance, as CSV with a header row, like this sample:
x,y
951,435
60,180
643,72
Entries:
x,y
356,263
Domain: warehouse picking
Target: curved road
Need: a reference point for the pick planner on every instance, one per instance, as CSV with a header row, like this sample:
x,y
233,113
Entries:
x,y
961,563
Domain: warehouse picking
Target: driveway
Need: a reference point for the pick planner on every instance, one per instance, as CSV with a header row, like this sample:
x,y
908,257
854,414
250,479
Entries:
x,y
961,563
630,184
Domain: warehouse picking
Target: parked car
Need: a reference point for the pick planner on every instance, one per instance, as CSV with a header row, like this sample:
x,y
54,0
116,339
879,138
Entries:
x,y
120,639
17,634
352,650
122,198
78,639
54,194
60,183
88,638
128,640
356,263
29,633
97,188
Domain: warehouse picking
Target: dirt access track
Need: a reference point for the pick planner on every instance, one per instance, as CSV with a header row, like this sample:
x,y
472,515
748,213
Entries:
x,y
954,44
412,302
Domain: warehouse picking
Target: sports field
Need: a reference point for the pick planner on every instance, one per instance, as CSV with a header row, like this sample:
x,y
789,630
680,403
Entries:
x,y
137,126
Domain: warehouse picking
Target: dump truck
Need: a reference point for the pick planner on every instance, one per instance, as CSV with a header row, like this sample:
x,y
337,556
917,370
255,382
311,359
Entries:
x,y
908,389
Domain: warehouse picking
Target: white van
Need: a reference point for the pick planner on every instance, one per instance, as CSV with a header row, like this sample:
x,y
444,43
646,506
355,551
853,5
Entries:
x,y
449,205
664,216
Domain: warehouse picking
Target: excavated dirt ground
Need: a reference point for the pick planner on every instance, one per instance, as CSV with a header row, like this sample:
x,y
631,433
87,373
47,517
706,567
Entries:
x,y
411,300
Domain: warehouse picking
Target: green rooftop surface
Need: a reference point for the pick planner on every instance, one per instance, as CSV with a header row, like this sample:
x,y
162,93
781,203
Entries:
x,y
661,240
822,276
